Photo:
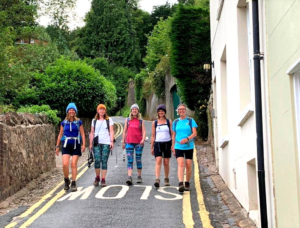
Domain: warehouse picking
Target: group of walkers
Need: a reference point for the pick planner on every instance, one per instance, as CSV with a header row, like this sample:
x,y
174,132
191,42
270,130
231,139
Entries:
x,y
167,137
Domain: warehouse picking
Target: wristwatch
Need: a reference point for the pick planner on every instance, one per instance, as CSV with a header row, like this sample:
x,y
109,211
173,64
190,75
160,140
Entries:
x,y
56,147
188,138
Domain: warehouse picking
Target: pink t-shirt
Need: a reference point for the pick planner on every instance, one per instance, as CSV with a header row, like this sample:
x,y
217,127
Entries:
x,y
134,132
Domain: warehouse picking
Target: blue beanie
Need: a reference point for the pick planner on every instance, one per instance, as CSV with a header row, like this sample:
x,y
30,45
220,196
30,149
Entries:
x,y
73,106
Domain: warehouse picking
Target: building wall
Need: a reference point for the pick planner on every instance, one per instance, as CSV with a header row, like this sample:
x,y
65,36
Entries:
x,y
234,101
283,50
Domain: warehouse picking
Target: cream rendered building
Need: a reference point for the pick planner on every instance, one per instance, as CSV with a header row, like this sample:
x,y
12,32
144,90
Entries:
x,y
234,104
283,68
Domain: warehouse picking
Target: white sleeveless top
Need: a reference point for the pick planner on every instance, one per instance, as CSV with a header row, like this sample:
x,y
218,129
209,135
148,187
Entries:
x,y
162,133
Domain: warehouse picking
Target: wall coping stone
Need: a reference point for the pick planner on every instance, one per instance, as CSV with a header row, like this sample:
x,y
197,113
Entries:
x,y
13,119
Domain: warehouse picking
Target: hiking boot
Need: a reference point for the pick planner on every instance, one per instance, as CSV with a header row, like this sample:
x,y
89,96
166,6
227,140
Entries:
x,y
67,184
96,182
167,181
181,187
187,186
103,183
73,186
129,181
139,180
156,183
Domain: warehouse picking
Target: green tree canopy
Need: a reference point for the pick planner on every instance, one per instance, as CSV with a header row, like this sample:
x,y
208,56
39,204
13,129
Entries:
x,y
190,37
17,13
109,33
72,81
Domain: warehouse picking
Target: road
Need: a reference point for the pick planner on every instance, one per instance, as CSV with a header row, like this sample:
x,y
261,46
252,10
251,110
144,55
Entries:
x,y
119,205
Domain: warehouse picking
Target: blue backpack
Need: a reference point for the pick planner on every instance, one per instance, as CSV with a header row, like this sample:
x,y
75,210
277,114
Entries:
x,y
65,138
190,123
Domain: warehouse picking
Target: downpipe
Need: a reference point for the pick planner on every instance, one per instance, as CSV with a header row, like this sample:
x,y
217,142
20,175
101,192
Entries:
x,y
258,116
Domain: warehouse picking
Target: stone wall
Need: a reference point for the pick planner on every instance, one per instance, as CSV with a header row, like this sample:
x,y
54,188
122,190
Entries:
x,y
153,101
27,149
151,104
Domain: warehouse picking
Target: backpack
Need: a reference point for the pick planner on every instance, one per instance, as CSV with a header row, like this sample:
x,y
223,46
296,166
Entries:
x,y
155,125
64,137
141,123
107,124
190,123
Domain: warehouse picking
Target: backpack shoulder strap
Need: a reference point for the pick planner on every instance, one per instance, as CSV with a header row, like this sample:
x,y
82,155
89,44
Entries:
x,y
168,123
127,121
190,123
108,127
155,126
95,122
175,121
141,125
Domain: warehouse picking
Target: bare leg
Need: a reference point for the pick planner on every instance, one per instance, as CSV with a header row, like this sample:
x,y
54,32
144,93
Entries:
x,y
158,166
180,172
66,164
97,171
74,166
103,173
167,167
188,163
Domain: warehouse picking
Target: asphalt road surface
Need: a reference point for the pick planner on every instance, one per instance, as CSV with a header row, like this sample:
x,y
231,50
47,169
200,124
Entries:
x,y
118,205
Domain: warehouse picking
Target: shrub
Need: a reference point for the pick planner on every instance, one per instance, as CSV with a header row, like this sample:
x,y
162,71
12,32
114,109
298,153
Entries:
x,y
125,111
43,109
73,81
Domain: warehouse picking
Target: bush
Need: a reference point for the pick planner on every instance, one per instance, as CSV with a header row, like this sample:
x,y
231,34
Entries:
x,y
72,81
7,108
43,109
125,111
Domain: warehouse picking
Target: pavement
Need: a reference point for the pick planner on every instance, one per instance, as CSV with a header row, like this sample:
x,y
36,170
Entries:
x,y
43,203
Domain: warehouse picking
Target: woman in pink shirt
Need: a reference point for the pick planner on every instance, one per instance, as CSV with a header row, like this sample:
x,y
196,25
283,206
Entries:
x,y
133,139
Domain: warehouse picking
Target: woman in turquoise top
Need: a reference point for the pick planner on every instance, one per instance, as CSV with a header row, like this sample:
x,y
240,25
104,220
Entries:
x,y
184,132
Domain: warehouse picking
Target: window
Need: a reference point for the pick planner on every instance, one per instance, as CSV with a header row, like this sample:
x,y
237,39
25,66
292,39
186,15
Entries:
x,y
297,109
32,41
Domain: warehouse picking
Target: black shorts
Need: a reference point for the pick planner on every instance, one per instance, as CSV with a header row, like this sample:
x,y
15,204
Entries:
x,y
162,149
188,154
69,149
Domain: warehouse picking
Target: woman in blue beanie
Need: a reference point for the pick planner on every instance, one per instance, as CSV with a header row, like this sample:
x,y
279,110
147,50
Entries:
x,y
71,133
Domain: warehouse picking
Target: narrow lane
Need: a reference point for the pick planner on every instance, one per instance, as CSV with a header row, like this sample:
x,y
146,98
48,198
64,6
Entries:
x,y
119,205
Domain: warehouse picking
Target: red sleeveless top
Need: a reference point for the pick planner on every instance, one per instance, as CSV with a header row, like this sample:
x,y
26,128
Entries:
x,y
134,132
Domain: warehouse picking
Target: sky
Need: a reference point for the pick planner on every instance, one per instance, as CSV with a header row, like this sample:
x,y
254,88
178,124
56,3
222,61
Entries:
x,y
83,6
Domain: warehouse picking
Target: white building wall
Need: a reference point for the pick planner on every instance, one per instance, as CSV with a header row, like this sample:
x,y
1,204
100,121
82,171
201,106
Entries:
x,y
237,160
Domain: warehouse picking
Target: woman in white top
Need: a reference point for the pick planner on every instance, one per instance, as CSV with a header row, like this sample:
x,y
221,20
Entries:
x,y
105,144
161,142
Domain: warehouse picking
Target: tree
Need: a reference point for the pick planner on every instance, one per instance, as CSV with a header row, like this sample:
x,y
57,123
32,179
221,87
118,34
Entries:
x,y
190,37
162,11
109,33
72,81
18,13
61,13
143,26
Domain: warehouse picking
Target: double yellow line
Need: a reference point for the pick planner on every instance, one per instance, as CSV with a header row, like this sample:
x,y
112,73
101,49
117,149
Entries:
x,y
187,213
47,196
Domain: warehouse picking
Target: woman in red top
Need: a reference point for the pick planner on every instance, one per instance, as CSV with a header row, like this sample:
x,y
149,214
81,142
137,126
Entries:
x,y
133,139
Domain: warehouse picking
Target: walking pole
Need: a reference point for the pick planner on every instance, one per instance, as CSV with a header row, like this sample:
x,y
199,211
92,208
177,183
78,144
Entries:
x,y
124,152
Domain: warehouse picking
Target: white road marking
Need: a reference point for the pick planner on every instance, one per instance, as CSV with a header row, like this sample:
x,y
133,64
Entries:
x,y
162,190
120,195
73,195
146,192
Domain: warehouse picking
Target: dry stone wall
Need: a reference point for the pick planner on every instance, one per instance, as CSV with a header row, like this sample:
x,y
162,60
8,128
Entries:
x,y
27,149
